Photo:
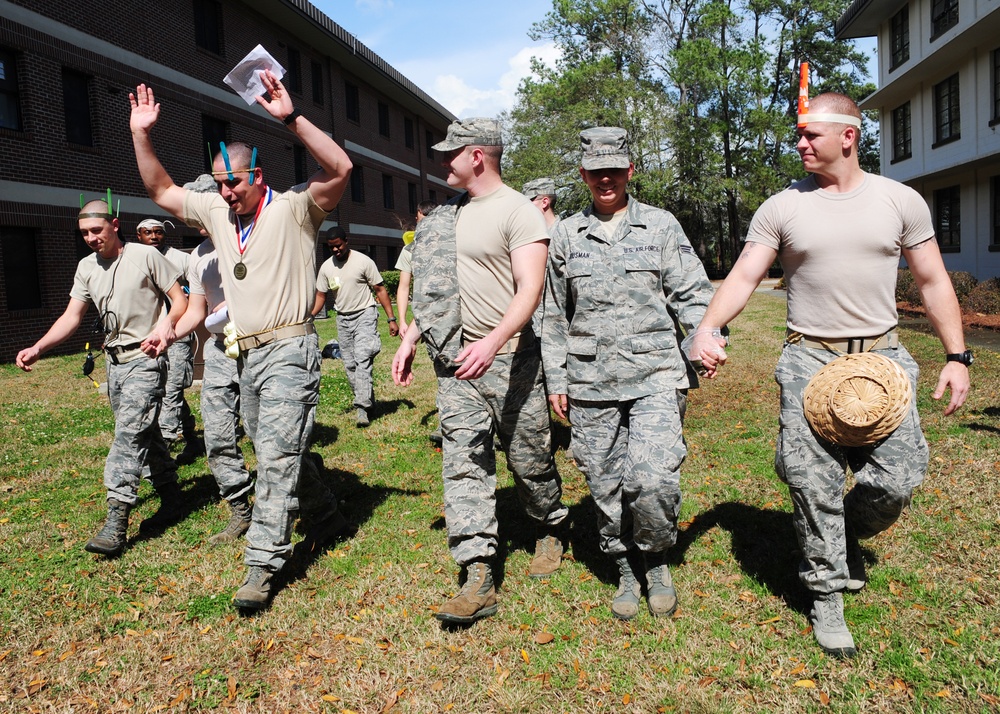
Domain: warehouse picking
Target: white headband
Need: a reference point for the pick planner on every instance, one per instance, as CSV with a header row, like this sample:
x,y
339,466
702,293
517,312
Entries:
x,y
153,223
809,117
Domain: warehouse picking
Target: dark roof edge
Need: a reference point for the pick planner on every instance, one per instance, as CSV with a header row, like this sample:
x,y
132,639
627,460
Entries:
x,y
849,16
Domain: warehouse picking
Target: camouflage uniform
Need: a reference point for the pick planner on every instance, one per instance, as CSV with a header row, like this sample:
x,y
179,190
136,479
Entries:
x,y
176,419
360,343
279,388
135,389
609,341
885,473
508,402
220,408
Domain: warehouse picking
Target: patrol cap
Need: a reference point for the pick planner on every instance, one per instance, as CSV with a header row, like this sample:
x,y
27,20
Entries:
x,y
604,147
539,187
203,184
475,131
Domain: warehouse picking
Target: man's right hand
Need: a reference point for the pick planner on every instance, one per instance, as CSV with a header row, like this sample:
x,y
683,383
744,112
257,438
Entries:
x,y
560,405
27,357
402,364
145,110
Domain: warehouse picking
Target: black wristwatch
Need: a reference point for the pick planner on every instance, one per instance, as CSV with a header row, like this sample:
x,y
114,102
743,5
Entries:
x,y
295,114
392,319
965,358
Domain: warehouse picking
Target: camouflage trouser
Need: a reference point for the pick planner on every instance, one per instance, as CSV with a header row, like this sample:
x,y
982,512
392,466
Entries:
x,y
509,402
631,453
176,419
220,413
279,389
814,469
360,343
135,390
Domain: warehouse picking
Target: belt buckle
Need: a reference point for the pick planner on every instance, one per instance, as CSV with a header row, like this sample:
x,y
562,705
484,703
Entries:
x,y
855,345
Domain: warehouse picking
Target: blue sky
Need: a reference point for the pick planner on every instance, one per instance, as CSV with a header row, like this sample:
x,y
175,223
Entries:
x,y
469,56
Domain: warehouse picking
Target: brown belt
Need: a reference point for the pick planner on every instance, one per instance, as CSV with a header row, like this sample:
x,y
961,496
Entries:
x,y
118,354
851,345
259,339
514,344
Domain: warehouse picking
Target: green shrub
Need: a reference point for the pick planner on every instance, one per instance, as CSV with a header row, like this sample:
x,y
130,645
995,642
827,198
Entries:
x,y
984,298
906,287
963,282
390,278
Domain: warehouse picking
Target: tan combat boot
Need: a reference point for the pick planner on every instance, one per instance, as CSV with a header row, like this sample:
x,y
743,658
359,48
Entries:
x,y
477,598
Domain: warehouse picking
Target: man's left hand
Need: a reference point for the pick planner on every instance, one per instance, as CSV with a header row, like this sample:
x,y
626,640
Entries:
x,y
954,376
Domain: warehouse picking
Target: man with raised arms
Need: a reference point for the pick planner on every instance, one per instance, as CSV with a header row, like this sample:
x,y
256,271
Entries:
x,y
266,247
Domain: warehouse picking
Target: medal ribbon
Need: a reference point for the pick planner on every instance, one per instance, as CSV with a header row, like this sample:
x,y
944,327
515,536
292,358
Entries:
x,y
243,234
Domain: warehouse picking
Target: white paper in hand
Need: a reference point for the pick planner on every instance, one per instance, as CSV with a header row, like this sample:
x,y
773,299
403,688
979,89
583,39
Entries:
x,y
245,76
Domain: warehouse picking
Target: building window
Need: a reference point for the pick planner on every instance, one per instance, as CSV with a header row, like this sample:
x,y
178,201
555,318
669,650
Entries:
x,y
10,97
352,101
901,133
208,25
944,16
411,198
299,158
213,132
899,34
293,72
432,196
358,184
76,108
317,82
947,116
20,269
383,119
429,142
996,88
408,137
388,200
995,213
948,218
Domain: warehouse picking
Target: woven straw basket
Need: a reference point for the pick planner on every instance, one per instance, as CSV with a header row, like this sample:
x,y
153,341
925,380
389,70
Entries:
x,y
857,399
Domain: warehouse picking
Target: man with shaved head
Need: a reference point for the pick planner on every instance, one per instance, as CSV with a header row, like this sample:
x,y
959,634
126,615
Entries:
x,y
839,235
127,285
266,247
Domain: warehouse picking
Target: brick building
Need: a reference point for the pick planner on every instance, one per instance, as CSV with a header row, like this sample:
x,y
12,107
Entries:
x,y
65,73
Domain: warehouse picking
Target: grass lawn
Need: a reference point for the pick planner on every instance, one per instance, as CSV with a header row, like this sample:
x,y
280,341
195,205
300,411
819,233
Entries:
x,y
352,629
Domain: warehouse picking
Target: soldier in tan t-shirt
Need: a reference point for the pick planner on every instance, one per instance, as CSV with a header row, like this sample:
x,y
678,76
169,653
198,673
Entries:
x,y
127,285
478,269
839,235
266,246
353,277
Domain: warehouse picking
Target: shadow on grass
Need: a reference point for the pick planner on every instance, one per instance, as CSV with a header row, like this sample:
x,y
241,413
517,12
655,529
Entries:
x,y
381,409
763,544
195,494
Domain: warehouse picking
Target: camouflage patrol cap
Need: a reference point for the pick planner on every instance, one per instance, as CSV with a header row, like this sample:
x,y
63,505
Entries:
x,y
539,187
475,131
604,147
203,184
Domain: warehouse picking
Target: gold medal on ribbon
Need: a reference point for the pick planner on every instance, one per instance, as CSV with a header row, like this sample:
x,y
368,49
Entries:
x,y
240,270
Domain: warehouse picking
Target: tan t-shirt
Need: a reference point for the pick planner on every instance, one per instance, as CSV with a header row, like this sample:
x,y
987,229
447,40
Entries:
x,y
204,277
840,252
280,257
404,263
488,230
358,275
129,291
179,259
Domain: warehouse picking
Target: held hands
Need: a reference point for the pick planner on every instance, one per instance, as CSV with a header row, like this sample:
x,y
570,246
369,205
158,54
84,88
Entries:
x,y
145,109
704,347
955,376
161,338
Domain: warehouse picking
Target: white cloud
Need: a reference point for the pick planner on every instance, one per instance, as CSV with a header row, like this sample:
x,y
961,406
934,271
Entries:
x,y
482,93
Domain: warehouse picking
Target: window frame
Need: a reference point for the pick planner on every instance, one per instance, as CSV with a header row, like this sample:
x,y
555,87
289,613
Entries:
x,y
902,123
352,102
899,38
384,128
948,218
358,184
10,88
947,111
22,286
209,35
944,16
79,124
388,193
